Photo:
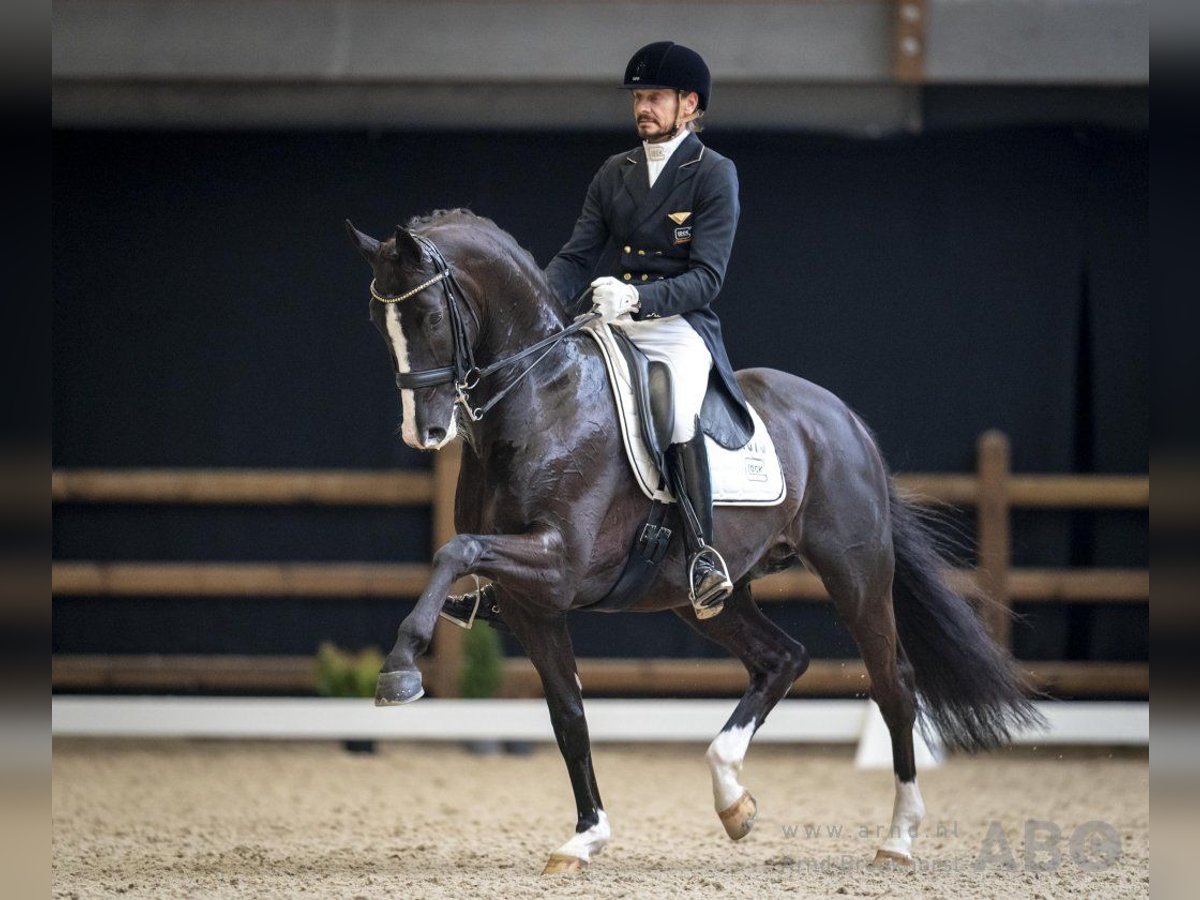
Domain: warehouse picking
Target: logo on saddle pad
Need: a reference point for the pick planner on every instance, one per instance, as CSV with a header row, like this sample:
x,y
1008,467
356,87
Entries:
x,y
756,469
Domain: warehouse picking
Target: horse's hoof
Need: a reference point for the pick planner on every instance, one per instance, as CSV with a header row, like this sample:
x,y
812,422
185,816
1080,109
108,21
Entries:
x,y
892,858
398,688
562,864
739,818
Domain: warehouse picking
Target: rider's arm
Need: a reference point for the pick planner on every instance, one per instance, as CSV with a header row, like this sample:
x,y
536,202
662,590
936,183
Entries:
x,y
715,218
571,269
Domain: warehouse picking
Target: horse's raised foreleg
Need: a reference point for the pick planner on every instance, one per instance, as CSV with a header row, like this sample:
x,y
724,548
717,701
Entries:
x,y
548,643
774,662
516,560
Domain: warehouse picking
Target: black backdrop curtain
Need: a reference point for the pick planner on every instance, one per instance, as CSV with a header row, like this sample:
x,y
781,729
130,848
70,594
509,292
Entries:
x,y
210,311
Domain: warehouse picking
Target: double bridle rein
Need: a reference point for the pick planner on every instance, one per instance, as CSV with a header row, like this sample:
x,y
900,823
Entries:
x,y
462,371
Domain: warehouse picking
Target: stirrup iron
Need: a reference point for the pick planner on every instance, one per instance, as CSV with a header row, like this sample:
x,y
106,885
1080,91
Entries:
x,y
712,603
470,622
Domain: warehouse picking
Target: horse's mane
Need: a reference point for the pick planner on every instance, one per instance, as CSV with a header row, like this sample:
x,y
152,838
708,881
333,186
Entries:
x,y
487,230
457,216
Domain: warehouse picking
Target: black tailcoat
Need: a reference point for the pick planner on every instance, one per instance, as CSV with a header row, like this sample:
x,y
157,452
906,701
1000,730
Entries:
x,y
672,242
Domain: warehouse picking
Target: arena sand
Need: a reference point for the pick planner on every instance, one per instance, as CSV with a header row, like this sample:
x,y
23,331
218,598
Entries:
x,y
215,819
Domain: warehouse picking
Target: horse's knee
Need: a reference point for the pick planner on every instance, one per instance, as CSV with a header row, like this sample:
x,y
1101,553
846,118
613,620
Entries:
x,y
459,552
788,665
798,660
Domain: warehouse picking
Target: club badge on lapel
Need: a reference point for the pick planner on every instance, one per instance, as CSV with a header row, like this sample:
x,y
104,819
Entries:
x,y
683,234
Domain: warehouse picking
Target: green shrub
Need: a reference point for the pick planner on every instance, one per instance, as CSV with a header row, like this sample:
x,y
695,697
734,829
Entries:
x,y
483,663
343,674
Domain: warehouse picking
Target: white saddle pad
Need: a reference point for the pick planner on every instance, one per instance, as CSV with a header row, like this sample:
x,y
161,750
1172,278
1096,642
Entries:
x,y
748,476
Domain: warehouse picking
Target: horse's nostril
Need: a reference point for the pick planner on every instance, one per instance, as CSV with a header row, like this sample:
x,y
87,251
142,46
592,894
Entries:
x,y
435,435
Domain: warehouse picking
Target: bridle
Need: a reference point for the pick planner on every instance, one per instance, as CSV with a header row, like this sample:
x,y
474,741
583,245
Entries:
x,y
462,371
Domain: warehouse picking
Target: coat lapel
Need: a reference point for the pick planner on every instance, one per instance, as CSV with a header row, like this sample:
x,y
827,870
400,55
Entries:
x,y
679,169
637,176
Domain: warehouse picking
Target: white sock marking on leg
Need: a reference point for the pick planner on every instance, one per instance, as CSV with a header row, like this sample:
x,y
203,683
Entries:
x,y
585,843
725,756
907,813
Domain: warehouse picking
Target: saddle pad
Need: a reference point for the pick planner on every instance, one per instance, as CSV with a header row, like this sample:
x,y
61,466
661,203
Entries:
x,y
748,476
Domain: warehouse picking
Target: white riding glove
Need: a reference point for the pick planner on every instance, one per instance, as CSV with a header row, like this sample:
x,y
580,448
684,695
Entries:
x,y
612,298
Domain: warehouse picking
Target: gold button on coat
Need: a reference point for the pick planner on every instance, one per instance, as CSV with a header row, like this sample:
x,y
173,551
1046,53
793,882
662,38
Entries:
x,y
628,248
627,277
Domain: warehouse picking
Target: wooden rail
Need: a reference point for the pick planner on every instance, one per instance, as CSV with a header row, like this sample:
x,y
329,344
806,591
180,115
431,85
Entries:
x,y
231,486
993,490
407,580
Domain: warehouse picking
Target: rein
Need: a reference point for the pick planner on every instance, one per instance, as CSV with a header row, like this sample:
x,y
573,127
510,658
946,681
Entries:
x,y
462,371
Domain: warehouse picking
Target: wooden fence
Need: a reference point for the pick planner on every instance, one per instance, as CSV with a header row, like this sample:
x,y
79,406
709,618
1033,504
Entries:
x,y
993,490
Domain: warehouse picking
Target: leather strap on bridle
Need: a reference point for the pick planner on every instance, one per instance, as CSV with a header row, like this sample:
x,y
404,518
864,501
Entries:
x,y
462,370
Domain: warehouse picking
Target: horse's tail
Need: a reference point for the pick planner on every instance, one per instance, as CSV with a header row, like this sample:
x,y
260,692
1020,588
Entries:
x,y
967,686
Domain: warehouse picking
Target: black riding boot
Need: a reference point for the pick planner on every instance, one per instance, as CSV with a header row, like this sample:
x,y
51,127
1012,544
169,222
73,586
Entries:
x,y
687,464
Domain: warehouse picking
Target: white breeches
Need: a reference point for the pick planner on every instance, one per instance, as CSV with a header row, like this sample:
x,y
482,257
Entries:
x,y
673,341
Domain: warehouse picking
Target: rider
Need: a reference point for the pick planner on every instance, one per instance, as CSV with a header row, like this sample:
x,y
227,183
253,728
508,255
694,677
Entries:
x,y
653,240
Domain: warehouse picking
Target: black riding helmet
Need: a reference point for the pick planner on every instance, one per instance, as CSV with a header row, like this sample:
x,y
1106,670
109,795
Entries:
x,y
665,64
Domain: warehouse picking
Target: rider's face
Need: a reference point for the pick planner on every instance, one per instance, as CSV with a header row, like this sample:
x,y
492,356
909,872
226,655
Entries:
x,y
656,110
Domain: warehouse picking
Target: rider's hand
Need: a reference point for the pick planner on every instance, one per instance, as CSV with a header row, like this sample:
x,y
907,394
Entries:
x,y
612,298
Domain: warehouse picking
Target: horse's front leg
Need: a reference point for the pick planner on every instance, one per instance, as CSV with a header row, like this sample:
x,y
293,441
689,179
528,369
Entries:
x,y
548,643
510,559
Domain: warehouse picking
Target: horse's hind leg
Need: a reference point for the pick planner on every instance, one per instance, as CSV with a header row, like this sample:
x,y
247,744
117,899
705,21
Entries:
x,y
774,662
858,576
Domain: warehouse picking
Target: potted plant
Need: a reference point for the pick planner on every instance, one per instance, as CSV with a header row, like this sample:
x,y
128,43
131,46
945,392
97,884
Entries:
x,y
343,674
482,675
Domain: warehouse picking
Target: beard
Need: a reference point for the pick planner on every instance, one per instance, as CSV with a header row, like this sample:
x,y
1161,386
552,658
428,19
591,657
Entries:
x,y
658,133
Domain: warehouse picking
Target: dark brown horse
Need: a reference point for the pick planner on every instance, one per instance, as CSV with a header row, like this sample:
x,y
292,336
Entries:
x,y
546,508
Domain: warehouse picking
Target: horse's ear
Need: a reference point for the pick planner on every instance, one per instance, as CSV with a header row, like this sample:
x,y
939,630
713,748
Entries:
x,y
367,245
407,247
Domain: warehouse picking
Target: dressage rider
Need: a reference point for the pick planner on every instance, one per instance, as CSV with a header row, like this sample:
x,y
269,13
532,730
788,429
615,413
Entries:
x,y
652,243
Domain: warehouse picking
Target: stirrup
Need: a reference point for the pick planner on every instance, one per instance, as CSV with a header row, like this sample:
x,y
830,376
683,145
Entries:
x,y
470,620
712,602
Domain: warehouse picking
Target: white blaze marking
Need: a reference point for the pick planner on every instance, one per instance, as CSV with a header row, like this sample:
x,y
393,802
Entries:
x,y
408,400
408,404
585,843
907,813
725,755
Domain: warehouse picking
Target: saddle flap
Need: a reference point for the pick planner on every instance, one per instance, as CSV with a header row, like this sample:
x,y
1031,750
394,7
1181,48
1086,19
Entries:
x,y
651,382
662,404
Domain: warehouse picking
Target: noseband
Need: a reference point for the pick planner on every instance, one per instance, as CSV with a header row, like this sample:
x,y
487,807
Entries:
x,y
462,371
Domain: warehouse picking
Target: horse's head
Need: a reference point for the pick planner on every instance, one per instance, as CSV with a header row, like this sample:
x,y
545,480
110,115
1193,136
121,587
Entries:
x,y
412,308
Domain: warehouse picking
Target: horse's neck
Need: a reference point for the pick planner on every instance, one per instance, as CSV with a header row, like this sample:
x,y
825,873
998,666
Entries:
x,y
534,387
516,321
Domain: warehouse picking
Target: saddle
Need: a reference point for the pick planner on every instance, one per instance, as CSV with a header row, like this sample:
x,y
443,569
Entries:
x,y
651,384
749,475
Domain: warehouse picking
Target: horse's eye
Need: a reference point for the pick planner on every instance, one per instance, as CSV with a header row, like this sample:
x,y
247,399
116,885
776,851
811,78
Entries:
x,y
435,319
